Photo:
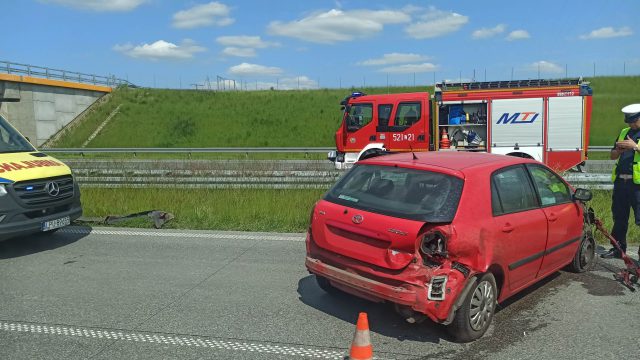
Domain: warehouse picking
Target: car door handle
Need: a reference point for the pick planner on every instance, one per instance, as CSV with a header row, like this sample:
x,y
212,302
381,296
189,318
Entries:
x,y
507,228
552,217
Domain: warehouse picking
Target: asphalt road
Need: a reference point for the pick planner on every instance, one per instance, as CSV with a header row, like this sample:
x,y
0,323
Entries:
x,y
146,294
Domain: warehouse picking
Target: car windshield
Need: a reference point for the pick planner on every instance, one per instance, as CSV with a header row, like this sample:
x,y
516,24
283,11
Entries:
x,y
10,140
405,193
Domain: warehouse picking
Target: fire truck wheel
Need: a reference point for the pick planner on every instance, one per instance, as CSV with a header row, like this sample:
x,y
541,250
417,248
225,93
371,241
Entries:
x,y
584,257
473,318
325,285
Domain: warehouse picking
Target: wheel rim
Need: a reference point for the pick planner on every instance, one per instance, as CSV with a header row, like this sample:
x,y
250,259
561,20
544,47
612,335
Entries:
x,y
481,306
586,254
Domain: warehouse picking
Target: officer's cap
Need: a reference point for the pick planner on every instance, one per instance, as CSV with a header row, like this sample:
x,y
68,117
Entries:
x,y
631,113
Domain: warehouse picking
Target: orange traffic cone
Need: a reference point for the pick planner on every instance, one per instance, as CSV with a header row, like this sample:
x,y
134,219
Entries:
x,y
361,348
444,141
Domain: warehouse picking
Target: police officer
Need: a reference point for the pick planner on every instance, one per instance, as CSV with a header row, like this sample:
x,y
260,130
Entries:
x,y
626,178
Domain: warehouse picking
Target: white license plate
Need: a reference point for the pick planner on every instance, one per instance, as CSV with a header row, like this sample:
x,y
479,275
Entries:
x,y
55,224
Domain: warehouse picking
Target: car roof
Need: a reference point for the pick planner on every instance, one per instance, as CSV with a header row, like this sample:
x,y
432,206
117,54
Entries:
x,y
455,161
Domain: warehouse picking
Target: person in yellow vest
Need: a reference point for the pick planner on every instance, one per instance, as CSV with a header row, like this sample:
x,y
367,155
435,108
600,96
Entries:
x,y
626,179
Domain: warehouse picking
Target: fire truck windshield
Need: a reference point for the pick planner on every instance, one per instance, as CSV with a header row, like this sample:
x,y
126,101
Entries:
x,y
10,140
358,115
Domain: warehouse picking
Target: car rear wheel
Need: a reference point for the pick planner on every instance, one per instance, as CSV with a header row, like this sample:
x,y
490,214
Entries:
x,y
474,316
585,257
325,285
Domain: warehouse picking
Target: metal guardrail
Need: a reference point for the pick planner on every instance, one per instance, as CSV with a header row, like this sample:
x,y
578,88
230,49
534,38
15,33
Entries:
x,y
190,150
64,75
599,148
222,150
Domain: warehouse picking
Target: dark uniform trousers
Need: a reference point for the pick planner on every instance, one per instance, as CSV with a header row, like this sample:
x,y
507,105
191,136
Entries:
x,y
626,195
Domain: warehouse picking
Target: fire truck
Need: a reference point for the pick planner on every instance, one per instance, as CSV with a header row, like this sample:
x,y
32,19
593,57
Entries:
x,y
546,120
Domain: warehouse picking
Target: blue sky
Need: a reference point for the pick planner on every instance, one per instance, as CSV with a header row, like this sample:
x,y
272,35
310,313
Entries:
x,y
316,43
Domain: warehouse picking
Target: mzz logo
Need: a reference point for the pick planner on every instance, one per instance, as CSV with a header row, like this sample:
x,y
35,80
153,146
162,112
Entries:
x,y
518,118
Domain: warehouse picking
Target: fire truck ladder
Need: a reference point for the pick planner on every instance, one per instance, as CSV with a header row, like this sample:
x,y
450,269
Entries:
x,y
444,86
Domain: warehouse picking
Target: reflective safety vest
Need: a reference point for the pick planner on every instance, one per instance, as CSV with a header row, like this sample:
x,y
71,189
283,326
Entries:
x,y
636,160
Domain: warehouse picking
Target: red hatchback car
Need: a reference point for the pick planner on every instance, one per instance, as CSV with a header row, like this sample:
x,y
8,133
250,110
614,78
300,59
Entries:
x,y
446,236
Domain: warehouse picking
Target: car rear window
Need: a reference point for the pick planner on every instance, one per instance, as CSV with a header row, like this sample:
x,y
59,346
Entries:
x,y
405,193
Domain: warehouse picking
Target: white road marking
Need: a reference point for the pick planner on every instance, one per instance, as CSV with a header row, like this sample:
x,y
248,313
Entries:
x,y
176,340
217,235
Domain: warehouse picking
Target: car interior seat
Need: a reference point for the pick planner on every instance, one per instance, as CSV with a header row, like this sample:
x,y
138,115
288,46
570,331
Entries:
x,y
380,187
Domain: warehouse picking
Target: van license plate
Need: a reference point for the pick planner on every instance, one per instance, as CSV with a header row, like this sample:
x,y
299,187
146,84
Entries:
x,y
55,224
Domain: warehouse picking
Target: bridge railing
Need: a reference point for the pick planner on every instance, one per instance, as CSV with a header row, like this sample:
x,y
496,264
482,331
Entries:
x,y
9,67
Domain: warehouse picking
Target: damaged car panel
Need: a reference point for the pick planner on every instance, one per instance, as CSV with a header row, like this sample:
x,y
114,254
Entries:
x,y
445,236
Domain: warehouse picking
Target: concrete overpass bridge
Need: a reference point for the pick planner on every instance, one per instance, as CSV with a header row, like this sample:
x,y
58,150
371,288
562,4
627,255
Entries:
x,y
39,102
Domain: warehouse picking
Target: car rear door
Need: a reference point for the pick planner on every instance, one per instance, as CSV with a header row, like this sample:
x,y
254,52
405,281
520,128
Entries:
x,y
520,226
564,218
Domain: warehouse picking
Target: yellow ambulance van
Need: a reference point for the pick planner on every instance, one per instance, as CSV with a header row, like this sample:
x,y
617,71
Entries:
x,y
38,193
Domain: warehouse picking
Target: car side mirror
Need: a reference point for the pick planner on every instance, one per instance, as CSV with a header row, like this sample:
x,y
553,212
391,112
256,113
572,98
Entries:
x,y
582,194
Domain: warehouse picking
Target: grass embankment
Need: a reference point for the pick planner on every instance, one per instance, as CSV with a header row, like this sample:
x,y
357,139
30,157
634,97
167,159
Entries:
x,y
242,209
309,118
189,118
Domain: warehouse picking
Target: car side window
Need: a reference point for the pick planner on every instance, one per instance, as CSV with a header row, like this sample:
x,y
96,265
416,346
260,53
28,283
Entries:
x,y
551,189
511,191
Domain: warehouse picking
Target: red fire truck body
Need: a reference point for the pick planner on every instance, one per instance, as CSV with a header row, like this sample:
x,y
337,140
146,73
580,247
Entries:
x,y
546,120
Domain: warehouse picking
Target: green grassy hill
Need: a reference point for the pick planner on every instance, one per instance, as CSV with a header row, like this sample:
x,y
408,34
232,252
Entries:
x,y
188,118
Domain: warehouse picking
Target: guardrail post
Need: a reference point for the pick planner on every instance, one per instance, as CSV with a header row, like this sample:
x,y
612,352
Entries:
x,y
28,70
46,71
64,75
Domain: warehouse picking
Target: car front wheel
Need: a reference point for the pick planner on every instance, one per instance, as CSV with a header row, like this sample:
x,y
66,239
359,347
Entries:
x,y
474,316
584,258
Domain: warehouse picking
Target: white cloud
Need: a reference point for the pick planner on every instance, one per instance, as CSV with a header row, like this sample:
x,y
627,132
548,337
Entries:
x,y
246,69
436,23
394,58
161,50
518,35
239,52
337,25
409,68
546,67
245,41
607,32
292,83
100,5
488,32
213,13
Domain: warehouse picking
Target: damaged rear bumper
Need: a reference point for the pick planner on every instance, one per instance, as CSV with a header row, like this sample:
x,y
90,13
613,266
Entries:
x,y
413,289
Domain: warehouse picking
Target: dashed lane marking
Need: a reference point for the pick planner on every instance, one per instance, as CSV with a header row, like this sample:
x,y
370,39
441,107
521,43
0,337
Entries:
x,y
176,340
225,236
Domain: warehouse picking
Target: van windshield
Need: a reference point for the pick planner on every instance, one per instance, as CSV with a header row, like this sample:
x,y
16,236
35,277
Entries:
x,y
10,140
405,193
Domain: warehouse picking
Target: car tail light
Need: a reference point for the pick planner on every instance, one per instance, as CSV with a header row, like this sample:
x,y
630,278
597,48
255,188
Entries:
x,y
313,209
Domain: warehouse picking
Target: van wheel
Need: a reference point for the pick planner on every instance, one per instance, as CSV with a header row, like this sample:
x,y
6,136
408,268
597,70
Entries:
x,y
325,285
584,257
474,316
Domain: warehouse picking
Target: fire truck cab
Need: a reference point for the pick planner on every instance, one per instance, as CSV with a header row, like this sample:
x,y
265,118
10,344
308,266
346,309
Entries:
x,y
545,120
